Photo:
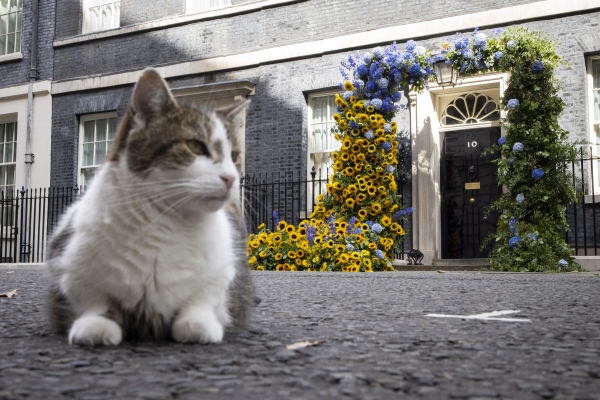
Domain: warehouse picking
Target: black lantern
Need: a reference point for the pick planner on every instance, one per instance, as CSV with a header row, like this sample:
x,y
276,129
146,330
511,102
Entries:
x,y
445,73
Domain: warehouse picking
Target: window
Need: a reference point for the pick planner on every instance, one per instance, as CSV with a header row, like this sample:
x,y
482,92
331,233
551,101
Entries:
x,y
101,15
322,141
97,133
10,26
472,108
8,158
594,84
194,6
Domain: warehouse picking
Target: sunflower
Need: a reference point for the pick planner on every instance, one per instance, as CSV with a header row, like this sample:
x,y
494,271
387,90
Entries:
x,y
291,254
348,86
368,267
363,117
279,267
364,129
318,239
345,157
324,266
337,118
341,103
344,258
386,221
372,148
252,260
260,268
356,106
298,262
299,254
281,225
352,189
372,190
370,109
362,213
290,228
376,207
355,132
353,100
350,202
343,125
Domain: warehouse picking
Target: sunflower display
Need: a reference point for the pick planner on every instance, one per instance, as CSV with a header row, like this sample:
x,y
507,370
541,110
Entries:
x,y
356,225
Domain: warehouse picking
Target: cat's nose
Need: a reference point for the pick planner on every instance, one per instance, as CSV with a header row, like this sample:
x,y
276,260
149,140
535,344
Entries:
x,y
228,179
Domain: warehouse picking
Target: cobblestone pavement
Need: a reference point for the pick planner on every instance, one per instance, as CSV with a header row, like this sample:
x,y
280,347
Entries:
x,y
379,343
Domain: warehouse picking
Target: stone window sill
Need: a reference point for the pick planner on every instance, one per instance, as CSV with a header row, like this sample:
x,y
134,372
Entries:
x,y
174,21
11,57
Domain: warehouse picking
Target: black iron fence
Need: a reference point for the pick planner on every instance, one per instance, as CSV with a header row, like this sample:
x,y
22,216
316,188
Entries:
x,y
584,216
27,219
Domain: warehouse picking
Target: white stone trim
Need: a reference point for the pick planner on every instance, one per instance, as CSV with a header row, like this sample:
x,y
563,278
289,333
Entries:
x,y
40,87
11,57
173,21
503,16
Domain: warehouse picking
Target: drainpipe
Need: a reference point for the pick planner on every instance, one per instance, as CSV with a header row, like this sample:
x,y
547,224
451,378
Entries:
x,y
29,157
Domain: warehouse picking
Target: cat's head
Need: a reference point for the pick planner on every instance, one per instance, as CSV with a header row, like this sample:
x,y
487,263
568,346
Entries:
x,y
188,150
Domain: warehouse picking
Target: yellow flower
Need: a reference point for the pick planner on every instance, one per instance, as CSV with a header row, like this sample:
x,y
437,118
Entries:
x,y
364,253
279,267
252,260
298,261
261,226
278,256
254,244
386,221
263,254
318,239
324,266
294,237
350,202
305,262
291,254
376,207
348,86
352,189
286,267
372,148
362,213
281,226
304,245
260,268
299,254
370,109
337,118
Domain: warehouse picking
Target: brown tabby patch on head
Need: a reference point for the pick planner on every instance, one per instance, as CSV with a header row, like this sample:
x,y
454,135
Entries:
x,y
155,129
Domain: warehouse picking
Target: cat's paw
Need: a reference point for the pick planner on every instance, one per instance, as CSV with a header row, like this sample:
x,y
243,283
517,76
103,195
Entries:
x,y
92,330
197,329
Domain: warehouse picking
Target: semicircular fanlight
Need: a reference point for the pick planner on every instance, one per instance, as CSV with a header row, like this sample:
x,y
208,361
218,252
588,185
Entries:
x,y
472,108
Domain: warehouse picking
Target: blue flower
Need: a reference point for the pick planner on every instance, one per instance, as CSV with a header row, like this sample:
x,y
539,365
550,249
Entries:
x,y
512,104
349,247
370,224
400,213
408,57
378,53
514,241
468,54
511,45
379,254
367,58
387,128
357,231
512,224
502,140
369,135
276,218
377,228
414,70
331,223
520,198
311,234
376,103
390,169
538,66
511,161
354,125
537,174
382,83
480,40
363,70
396,96
518,147
498,55
419,50
346,96
563,263
360,84
387,146
532,236
411,45
461,43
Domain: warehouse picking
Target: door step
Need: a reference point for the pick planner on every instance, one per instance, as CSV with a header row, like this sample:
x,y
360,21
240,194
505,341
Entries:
x,y
469,264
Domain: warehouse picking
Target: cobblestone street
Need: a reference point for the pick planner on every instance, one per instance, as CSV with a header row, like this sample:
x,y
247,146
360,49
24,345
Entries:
x,y
379,343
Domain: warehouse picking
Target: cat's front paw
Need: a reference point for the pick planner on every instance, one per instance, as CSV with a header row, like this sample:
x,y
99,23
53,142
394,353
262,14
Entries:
x,y
197,329
92,330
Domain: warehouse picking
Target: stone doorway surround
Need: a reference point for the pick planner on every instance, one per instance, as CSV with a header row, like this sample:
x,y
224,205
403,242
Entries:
x,y
426,138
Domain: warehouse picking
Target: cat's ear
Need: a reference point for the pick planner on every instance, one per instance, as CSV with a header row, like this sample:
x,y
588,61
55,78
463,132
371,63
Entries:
x,y
234,112
151,95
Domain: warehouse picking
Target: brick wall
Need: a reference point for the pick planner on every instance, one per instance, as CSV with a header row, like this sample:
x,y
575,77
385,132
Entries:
x,y
17,72
137,11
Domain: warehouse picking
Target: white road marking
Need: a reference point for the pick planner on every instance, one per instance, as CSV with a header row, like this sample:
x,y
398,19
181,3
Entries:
x,y
490,316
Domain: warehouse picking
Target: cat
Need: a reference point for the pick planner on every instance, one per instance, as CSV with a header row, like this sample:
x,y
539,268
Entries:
x,y
155,248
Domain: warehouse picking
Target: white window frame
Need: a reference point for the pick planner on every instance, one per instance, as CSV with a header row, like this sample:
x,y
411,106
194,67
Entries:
x,y
18,28
4,120
82,120
198,6
309,150
87,4
594,124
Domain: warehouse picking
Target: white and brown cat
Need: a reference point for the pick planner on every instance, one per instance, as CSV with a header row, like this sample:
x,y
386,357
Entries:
x,y
154,249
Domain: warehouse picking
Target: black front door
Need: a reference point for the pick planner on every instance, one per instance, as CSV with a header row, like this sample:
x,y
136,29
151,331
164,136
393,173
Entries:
x,y
469,185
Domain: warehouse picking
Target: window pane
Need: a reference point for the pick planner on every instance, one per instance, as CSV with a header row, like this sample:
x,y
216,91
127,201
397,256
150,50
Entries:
x,y
19,16
88,155
10,132
116,15
596,105
318,137
107,17
3,6
2,132
88,131
596,73
332,107
3,175
12,22
2,45
100,152
8,152
88,176
2,153
20,4
3,24
93,19
101,130
10,174
13,6
112,128
10,45
319,109
18,42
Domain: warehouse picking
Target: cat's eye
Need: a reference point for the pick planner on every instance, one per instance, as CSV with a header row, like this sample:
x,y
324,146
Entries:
x,y
234,156
197,147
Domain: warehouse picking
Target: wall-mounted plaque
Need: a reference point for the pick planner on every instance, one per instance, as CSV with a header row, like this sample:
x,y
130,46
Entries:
x,y
472,186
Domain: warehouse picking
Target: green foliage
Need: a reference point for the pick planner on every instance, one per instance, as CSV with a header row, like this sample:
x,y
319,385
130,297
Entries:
x,y
534,124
